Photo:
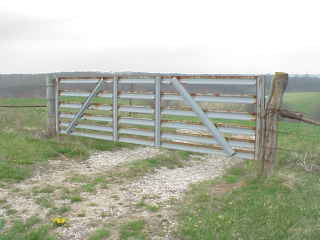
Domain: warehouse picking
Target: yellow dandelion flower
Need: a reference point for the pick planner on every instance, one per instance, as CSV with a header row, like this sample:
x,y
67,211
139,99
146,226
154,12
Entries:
x,y
59,221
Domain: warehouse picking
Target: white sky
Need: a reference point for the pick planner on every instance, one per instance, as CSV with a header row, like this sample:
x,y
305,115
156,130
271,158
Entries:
x,y
217,36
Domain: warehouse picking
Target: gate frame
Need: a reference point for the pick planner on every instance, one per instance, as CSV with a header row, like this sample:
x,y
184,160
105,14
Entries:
x,y
53,104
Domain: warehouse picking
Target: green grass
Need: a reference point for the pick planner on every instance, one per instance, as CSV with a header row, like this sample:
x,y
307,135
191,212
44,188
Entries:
x,y
27,230
149,207
306,102
284,207
132,230
99,234
59,211
23,101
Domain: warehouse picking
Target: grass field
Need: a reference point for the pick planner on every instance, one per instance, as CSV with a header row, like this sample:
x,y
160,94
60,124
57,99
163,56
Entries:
x,y
306,102
236,206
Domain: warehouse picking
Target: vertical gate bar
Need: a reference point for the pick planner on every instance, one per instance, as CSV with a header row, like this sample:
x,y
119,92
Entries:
x,y
157,117
115,108
260,92
57,105
203,117
51,85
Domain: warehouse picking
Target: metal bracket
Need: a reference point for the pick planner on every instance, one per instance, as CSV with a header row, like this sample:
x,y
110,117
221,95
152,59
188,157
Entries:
x,y
203,117
84,106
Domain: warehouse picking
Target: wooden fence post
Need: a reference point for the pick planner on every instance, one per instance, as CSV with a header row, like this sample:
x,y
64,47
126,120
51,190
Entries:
x,y
268,149
51,98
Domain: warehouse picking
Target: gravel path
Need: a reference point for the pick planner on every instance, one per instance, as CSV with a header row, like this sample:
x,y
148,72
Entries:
x,y
119,201
171,183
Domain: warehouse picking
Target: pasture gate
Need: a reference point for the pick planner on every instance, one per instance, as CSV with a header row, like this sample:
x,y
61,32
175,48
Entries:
x,y
197,113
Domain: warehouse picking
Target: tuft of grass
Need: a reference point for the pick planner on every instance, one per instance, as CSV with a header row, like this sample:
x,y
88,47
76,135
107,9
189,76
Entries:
x,y
75,197
11,211
149,207
88,187
55,211
44,189
99,234
27,230
173,159
2,223
45,202
132,230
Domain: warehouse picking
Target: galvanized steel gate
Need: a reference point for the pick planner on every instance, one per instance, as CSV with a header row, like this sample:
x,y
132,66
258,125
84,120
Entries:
x,y
96,107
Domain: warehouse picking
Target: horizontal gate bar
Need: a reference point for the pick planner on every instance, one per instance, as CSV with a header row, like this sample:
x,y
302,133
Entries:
x,y
136,96
240,100
204,140
90,135
226,81
136,132
200,81
141,75
136,121
83,94
212,99
230,130
150,123
137,81
218,115
92,106
145,122
204,150
84,81
137,110
86,117
89,127
136,141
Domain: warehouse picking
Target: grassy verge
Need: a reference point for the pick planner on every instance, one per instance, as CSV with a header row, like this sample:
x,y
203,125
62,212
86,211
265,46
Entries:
x,y
132,230
26,230
239,206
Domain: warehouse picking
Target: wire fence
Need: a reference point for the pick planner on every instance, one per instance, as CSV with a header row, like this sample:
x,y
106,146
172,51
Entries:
x,y
22,106
307,149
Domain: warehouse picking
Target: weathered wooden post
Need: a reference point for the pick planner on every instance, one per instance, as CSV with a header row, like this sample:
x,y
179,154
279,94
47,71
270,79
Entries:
x,y
51,97
268,149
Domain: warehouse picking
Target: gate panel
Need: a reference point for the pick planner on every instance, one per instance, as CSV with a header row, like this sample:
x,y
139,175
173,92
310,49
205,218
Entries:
x,y
148,110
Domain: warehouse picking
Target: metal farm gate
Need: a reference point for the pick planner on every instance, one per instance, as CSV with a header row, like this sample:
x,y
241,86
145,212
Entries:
x,y
197,113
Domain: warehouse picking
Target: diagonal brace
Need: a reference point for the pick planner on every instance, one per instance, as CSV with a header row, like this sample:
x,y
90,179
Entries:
x,y
203,117
84,106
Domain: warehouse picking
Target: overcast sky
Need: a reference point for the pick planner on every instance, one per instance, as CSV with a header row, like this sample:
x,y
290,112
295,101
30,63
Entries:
x,y
216,36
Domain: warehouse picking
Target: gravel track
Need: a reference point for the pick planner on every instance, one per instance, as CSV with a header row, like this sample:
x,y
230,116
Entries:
x,y
120,200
